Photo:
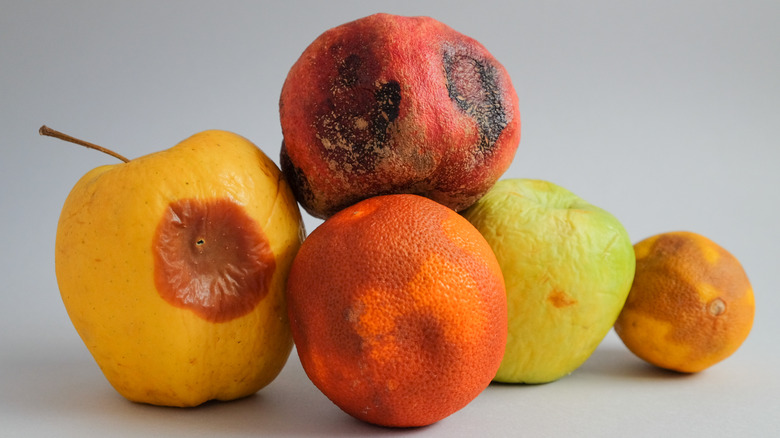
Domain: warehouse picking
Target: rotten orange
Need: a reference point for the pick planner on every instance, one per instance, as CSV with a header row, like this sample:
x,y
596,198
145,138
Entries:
x,y
691,304
398,310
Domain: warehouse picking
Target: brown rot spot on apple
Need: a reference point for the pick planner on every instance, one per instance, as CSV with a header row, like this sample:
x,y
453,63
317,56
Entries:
x,y
472,84
210,257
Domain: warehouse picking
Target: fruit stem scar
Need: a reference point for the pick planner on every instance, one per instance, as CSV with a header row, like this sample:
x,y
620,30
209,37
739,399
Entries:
x,y
716,307
45,130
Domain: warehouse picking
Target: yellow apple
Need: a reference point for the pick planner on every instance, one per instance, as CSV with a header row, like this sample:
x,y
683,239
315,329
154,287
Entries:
x,y
172,268
568,266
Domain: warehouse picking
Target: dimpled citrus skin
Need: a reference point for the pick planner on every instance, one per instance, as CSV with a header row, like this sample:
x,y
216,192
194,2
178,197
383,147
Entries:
x,y
568,267
133,291
398,310
390,104
691,304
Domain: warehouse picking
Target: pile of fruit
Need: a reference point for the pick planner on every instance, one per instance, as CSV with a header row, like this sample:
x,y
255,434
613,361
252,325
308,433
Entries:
x,y
188,274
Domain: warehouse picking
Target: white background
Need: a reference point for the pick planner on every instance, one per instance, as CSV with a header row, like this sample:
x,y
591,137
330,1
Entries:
x,y
665,113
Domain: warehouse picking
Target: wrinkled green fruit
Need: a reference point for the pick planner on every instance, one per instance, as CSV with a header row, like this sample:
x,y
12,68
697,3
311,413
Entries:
x,y
568,267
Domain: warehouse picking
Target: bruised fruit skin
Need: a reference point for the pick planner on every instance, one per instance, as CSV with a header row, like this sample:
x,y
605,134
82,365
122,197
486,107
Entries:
x,y
398,310
691,304
390,104
212,258
568,267
172,268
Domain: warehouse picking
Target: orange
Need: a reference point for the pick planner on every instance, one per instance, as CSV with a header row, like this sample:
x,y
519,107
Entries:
x,y
690,306
398,310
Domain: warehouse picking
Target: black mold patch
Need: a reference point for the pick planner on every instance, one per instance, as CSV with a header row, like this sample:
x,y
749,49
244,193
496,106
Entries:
x,y
388,98
356,113
472,84
296,179
349,70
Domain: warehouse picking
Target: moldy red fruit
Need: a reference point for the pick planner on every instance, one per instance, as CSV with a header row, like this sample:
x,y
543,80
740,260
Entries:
x,y
389,104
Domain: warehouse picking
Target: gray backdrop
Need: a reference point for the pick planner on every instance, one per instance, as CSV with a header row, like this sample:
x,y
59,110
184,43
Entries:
x,y
665,113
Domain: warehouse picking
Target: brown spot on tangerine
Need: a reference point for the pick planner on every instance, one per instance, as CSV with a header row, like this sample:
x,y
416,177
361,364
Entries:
x,y
559,299
420,331
211,258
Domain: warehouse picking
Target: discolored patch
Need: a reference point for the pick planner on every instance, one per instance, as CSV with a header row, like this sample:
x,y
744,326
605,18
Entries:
x,y
349,70
388,99
211,258
354,119
665,250
560,299
669,245
668,306
421,332
296,179
472,84
696,288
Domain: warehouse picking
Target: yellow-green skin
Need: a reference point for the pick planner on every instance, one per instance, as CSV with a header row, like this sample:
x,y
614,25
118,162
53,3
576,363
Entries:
x,y
568,268
150,350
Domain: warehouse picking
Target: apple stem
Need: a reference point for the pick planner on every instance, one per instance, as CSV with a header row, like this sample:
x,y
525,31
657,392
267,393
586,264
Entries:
x,y
45,130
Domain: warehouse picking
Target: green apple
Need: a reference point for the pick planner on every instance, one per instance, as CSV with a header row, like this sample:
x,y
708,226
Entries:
x,y
568,268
